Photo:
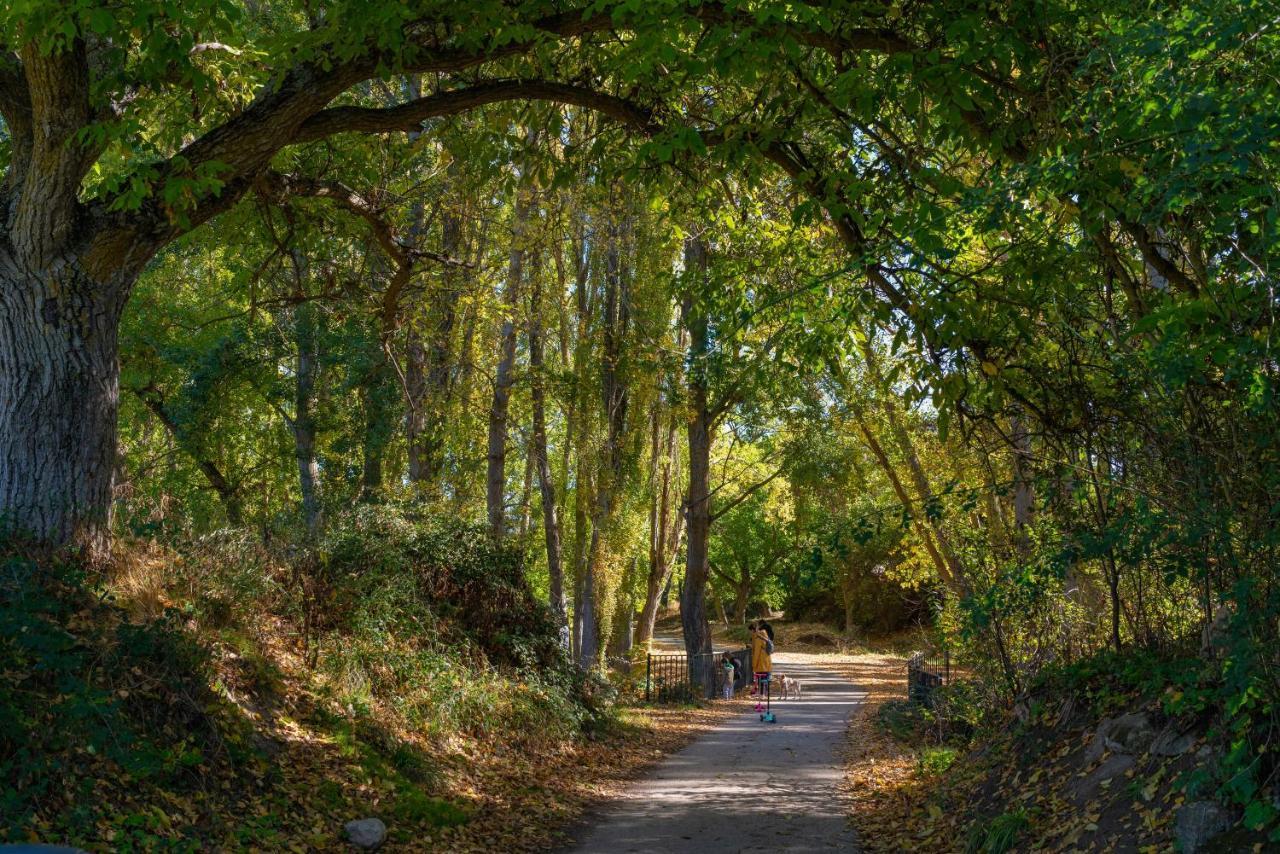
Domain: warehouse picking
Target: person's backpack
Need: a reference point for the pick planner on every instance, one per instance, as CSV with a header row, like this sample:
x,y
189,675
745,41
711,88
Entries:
x,y
768,645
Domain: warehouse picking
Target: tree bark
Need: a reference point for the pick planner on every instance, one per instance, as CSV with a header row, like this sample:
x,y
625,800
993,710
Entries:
x,y
428,374
376,396
1023,494
546,486
693,607
303,424
666,531
504,376
614,398
59,383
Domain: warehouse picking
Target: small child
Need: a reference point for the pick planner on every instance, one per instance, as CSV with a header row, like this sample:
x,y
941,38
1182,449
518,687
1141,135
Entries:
x,y
730,670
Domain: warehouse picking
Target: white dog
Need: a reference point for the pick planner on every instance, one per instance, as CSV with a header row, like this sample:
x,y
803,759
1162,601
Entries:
x,y
788,686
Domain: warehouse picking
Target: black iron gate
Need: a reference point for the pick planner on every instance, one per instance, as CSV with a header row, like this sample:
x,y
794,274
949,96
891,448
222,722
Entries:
x,y
681,678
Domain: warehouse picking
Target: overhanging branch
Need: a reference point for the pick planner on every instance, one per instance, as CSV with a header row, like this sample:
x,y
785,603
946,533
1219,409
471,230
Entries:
x,y
410,116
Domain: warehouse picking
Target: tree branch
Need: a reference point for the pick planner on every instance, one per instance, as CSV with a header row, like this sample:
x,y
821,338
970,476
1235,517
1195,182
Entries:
x,y
58,90
410,116
747,493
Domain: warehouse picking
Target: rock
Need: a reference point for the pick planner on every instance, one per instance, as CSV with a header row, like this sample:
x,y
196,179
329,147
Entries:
x,y
1214,636
1098,745
1131,733
1197,823
1170,742
1086,789
366,833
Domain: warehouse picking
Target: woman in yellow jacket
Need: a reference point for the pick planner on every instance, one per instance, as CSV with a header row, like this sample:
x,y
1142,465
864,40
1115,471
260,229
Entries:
x,y
761,657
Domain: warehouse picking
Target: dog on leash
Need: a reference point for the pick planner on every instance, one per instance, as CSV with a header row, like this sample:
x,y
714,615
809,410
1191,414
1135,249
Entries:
x,y
788,686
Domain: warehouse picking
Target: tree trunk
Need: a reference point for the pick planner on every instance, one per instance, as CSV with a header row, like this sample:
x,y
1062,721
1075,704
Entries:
x,y
428,374
741,599
614,397
59,393
1023,495
693,607
227,492
303,423
504,377
377,394
526,503
955,575
664,540
546,486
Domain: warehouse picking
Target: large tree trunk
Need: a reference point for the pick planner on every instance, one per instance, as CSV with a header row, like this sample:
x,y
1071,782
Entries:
x,y
59,393
693,601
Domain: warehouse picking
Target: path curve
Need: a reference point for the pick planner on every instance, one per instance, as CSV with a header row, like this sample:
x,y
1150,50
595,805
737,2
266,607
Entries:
x,y
746,787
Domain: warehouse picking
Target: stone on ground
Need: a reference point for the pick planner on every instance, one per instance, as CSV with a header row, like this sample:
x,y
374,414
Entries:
x,y
366,833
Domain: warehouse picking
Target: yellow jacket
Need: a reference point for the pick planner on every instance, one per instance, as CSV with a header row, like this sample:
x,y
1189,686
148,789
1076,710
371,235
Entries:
x,y
761,661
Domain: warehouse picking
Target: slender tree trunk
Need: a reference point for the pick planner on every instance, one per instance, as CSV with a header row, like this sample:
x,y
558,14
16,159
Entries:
x,y
303,422
504,377
227,492
377,396
693,597
924,490
428,373
526,501
1023,494
546,486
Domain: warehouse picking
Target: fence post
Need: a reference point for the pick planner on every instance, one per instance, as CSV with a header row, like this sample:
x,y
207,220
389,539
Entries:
x,y
648,667
946,659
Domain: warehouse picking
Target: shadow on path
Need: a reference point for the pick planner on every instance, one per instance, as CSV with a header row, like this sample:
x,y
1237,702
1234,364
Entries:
x,y
746,786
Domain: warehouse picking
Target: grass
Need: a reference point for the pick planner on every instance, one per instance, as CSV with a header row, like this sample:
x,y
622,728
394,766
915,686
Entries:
x,y
998,835
932,761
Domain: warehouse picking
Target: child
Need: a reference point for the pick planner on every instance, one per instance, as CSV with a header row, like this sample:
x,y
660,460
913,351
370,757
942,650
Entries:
x,y
729,671
761,660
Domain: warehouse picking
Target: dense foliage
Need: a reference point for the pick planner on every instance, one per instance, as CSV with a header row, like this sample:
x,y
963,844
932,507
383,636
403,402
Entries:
x,y
951,313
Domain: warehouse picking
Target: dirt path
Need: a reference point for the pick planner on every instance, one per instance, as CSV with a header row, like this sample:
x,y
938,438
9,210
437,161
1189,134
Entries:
x,y
746,786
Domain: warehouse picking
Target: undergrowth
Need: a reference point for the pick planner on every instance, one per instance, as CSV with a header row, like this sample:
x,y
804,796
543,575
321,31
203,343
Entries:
x,y
224,693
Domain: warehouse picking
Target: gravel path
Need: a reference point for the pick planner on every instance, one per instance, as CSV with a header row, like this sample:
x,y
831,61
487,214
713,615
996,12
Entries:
x,y
746,786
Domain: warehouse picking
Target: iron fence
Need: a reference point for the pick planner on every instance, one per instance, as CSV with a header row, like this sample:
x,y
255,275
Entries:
x,y
681,678
926,673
